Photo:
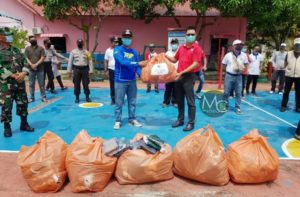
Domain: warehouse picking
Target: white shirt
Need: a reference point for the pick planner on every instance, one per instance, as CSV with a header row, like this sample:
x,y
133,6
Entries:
x,y
254,66
172,54
278,60
109,56
228,61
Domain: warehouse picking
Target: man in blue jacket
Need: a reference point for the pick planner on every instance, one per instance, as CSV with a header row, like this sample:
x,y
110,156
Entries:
x,y
127,66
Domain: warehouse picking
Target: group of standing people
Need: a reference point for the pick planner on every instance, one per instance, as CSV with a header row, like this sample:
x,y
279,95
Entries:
x,y
122,65
188,60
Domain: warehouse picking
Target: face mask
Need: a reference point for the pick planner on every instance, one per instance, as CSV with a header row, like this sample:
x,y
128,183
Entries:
x,y
9,39
297,48
33,42
190,38
239,48
80,45
255,52
174,47
126,41
244,50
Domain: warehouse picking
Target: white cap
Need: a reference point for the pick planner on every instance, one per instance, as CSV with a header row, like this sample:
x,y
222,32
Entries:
x,y
237,42
297,41
283,45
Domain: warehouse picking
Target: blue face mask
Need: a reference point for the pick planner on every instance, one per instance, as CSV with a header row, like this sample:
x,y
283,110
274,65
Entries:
x,y
9,39
174,47
127,41
190,38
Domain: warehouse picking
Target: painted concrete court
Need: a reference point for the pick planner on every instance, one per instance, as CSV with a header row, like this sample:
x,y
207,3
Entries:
x,y
62,116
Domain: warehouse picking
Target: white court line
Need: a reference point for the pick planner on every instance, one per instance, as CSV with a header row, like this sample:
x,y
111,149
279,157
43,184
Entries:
x,y
252,105
8,151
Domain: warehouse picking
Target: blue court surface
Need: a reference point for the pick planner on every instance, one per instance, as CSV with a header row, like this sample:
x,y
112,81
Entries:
x,y
62,116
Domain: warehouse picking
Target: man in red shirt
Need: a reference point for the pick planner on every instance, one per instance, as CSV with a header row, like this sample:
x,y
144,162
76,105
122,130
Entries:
x,y
190,59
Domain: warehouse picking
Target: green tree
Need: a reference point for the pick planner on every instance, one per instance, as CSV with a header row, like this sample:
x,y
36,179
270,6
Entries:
x,y
147,10
268,20
84,10
20,38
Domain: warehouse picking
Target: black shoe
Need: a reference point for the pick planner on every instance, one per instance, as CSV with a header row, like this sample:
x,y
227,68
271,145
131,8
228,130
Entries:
x,y
53,92
77,100
112,103
148,90
188,127
88,99
298,110
64,88
26,127
156,90
283,109
7,132
177,124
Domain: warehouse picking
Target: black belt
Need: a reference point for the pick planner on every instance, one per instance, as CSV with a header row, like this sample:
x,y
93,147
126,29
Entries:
x,y
80,67
233,74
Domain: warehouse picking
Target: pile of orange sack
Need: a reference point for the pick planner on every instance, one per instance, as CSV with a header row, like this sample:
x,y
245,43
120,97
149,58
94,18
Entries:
x,y
89,163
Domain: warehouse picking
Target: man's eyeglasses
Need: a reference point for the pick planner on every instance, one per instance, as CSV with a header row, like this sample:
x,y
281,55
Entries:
x,y
190,34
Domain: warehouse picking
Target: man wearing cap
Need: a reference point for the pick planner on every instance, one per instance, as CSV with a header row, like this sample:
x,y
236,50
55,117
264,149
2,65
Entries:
x,y
35,56
278,60
109,66
292,76
12,74
148,57
81,62
235,63
127,66
190,58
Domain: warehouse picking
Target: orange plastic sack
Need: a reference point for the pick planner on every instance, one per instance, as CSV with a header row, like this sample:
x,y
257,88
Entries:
x,y
252,160
159,70
139,166
43,164
200,156
89,169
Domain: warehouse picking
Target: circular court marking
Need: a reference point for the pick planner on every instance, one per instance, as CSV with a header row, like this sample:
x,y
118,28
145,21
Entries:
x,y
291,148
91,105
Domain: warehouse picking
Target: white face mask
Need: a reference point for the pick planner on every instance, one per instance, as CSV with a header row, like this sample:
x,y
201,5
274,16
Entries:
x,y
174,47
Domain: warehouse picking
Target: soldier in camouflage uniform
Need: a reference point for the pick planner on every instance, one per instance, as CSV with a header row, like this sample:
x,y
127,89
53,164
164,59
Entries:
x,y
12,74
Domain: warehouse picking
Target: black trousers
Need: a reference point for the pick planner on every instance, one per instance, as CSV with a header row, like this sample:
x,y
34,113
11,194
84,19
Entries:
x,y
49,73
170,94
251,79
112,84
185,89
81,74
58,78
289,81
278,74
298,128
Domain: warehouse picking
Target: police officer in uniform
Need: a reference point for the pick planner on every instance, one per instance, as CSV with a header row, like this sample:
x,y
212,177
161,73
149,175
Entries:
x,y
12,74
80,61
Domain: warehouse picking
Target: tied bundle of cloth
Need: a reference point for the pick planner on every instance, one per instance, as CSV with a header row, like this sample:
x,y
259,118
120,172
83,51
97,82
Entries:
x,y
159,70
